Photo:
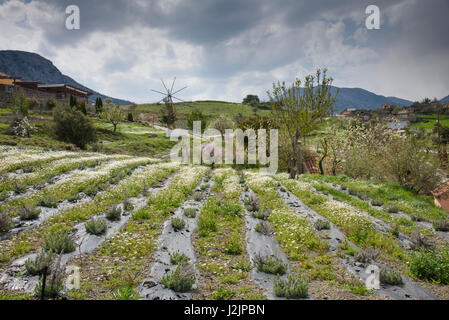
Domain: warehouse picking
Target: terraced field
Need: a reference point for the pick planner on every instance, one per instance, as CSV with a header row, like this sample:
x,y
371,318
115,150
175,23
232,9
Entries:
x,y
141,228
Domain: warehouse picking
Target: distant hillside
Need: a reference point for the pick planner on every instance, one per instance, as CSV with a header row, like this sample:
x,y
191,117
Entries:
x,y
445,100
363,99
32,67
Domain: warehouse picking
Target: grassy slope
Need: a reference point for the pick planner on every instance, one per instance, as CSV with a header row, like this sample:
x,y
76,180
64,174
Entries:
x,y
211,109
130,138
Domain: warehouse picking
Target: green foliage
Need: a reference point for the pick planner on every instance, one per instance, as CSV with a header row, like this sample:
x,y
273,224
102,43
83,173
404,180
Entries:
x,y
96,226
196,115
125,293
251,99
391,277
20,104
74,198
130,117
322,225
223,294
261,214
181,279
4,195
293,288
298,111
49,202
5,222
114,213
190,212
377,202
178,223
265,228
391,208
43,259
98,105
178,258
441,225
73,126
233,246
29,213
59,243
270,264
430,266
90,190
358,287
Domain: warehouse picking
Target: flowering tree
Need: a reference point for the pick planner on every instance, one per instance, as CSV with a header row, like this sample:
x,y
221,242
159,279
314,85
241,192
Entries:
x,y
112,114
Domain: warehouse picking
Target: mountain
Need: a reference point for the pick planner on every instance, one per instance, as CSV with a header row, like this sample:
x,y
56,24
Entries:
x,y
32,67
445,100
362,99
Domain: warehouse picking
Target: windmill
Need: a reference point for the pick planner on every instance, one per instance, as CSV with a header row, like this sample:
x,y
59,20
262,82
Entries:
x,y
168,113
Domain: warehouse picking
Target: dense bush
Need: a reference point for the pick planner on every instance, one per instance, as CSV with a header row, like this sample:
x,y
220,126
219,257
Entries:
x,y
270,264
265,228
36,266
178,223
96,226
5,222
293,288
114,213
178,258
391,277
190,212
29,213
73,126
181,279
59,243
430,266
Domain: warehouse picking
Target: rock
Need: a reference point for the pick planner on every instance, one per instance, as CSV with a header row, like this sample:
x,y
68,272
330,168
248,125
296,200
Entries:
x,y
149,283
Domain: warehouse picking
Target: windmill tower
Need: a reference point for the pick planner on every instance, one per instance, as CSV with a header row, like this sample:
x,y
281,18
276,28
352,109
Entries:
x,y
168,113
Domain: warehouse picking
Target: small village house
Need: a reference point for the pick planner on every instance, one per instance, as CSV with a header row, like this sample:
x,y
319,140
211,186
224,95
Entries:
x,y
43,92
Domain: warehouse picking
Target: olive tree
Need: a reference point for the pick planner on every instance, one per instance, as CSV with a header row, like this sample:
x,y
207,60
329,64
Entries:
x,y
298,110
112,114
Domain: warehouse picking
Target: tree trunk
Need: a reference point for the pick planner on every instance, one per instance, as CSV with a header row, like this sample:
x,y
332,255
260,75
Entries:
x,y
115,126
297,167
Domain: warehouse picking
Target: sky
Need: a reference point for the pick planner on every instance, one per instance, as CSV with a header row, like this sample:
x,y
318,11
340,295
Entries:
x,y
226,49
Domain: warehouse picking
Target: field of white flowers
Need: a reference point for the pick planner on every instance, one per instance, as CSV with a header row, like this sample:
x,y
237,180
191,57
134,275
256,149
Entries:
x,y
120,227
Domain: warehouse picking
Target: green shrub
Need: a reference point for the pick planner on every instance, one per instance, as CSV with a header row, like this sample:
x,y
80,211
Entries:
x,y
223,294
367,255
178,258
321,224
442,225
91,190
233,247
181,279
29,213
190,212
125,293
261,214
74,198
377,202
352,192
264,227
5,222
420,241
19,188
73,126
418,217
49,202
391,277
4,195
127,205
430,266
206,224
59,242
252,204
43,259
395,231
96,226
391,208
293,288
178,223
141,214
270,264
114,213
358,287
